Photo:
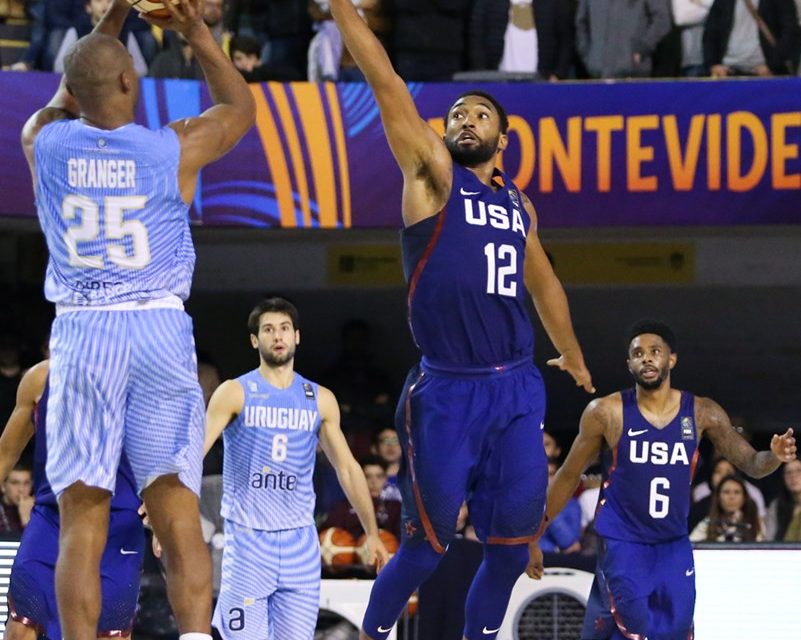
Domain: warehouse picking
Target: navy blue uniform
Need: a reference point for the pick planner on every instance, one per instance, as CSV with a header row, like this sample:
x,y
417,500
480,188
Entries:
x,y
471,412
31,592
645,578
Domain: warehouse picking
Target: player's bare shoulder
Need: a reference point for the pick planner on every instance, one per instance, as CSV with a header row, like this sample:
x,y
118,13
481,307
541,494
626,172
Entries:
x,y
605,415
229,396
709,415
327,404
33,381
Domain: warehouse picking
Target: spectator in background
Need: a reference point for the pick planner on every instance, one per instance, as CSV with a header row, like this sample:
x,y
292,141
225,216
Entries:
x,y
387,512
283,25
743,40
732,517
213,17
783,522
208,375
564,533
690,16
10,375
17,500
51,20
15,31
176,61
386,445
617,38
96,9
551,446
428,41
702,492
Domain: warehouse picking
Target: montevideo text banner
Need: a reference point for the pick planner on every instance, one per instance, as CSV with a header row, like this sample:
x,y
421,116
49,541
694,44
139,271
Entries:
x,y
701,153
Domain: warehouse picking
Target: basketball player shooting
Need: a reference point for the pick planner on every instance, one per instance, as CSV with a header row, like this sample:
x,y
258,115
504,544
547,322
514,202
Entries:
x,y
113,199
471,413
648,436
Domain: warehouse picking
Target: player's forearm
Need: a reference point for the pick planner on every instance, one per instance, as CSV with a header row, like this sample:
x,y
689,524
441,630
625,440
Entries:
x,y
226,84
355,487
16,435
560,491
112,21
367,51
552,307
759,465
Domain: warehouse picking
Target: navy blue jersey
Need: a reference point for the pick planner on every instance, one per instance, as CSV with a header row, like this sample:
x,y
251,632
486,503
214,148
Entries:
x,y
467,296
125,496
645,497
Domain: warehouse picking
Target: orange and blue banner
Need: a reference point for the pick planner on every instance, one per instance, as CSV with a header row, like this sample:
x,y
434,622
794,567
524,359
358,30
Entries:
x,y
589,155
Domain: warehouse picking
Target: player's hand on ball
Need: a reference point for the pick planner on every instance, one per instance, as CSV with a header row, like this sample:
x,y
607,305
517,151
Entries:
x,y
377,555
573,363
185,15
783,446
534,569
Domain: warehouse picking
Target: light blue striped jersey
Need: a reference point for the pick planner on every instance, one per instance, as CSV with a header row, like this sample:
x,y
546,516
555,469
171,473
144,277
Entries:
x,y
269,455
111,210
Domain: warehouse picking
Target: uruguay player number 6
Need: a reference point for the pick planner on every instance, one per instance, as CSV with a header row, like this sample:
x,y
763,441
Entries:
x,y
116,228
279,447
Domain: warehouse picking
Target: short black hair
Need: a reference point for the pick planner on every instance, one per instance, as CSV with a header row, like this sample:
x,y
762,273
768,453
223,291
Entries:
x,y
373,461
491,99
274,304
655,327
247,45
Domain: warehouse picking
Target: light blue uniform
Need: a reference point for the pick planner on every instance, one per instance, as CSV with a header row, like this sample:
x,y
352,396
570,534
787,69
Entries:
x,y
271,562
123,371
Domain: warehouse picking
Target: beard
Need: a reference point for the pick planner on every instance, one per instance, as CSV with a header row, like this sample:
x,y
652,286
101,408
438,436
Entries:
x,y
274,360
472,157
650,385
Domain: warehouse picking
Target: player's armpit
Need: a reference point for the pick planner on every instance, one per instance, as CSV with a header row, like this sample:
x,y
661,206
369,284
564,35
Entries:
x,y
713,421
226,403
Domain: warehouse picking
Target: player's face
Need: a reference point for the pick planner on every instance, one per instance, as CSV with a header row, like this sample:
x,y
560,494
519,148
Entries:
x,y
792,476
376,479
732,497
473,133
277,339
389,446
650,361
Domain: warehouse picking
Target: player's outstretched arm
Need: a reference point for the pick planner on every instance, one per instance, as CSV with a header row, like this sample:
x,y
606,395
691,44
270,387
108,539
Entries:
x,y
595,424
350,475
551,304
715,423
415,145
19,428
63,105
225,404
216,131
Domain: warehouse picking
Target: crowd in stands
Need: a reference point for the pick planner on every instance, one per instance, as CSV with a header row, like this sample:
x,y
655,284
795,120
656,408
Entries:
x,y
439,40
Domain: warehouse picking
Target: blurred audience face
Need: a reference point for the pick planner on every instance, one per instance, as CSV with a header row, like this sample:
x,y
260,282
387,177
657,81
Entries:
x,y
552,449
376,479
731,496
209,378
18,485
792,477
722,469
213,12
245,62
388,446
97,9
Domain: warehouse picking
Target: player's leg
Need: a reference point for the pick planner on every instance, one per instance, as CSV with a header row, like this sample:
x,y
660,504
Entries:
x,y
164,444
294,605
120,571
88,378
432,420
508,499
630,570
249,577
673,603
19,631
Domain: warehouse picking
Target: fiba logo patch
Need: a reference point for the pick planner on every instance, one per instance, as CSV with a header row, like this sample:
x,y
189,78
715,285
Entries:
x,y
253,386
687,428
513,197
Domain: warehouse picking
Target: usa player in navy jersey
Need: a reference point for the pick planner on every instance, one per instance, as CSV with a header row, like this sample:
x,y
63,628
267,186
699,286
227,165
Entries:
x,y
113,200
644,586
272,420
471,412
31,590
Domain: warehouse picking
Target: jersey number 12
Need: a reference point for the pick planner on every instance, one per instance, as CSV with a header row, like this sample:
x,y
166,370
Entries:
x,y
501,268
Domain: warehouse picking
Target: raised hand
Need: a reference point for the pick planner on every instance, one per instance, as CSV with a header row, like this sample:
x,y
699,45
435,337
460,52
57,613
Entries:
x,y
185,16
783,446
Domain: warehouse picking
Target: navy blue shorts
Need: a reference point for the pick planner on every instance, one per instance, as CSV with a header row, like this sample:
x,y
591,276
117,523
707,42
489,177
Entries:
x,y
642,590
32,587
475,436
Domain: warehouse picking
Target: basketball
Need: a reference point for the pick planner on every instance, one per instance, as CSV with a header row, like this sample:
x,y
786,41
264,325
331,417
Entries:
x,y
337,547
152,8
389,540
